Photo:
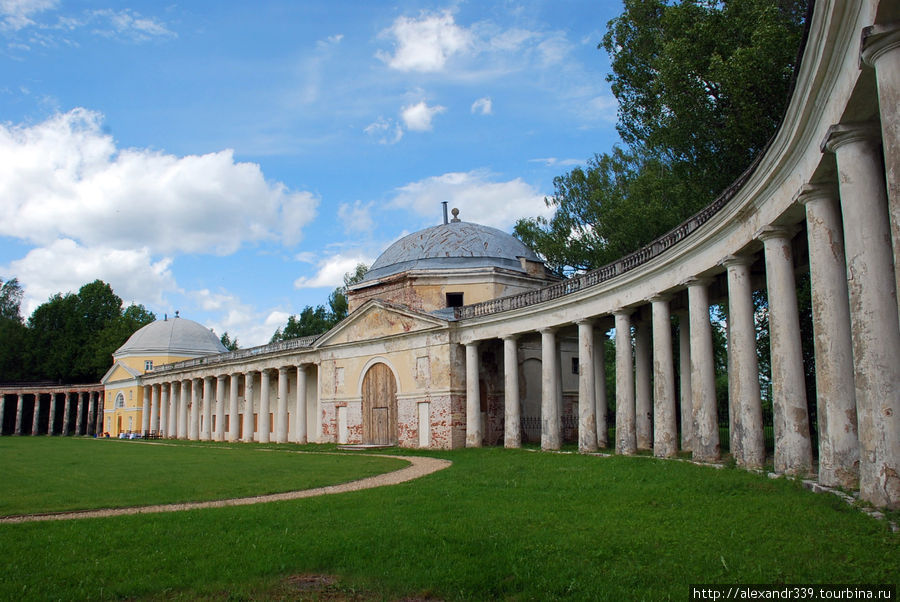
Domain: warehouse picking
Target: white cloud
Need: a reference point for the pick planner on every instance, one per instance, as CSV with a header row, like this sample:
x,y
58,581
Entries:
x,y
418,117
16,14
331,271
65,178
356,217
64,266
129,25
478,198
424,44
386,131
251,327
483,106
553,161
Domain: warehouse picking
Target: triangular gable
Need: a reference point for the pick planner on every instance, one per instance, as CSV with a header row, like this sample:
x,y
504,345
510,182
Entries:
x,y
377,319
119,371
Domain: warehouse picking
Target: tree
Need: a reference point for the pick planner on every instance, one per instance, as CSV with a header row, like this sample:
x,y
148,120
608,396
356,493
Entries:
x,y
12,332
321,319
230,345
701,86
10,300
72,337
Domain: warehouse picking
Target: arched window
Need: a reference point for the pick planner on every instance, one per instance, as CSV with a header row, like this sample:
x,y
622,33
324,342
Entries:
x,y
120,401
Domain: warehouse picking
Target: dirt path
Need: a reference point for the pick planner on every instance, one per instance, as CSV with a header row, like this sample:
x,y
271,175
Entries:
x,y
419,467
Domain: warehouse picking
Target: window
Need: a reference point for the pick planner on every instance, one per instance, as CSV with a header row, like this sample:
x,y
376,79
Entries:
x,y
454,299
148,365
574,365
120,401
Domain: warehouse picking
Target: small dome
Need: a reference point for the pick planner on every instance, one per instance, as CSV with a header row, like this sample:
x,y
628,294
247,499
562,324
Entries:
x,y
177,336
456,244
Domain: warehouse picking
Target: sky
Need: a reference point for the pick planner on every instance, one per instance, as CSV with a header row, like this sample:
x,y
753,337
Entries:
x,y
232,160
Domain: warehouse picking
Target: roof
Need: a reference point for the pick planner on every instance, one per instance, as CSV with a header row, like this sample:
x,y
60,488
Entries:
x,y
177,336
456,244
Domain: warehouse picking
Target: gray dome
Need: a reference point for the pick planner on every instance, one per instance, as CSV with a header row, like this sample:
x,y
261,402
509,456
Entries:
x,y
456,244
177,336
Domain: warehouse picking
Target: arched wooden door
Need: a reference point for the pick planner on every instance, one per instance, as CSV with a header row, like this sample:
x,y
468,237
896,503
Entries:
x,y
379,406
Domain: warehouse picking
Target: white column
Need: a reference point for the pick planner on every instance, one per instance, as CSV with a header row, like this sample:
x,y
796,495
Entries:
x,y
745,404
549,390
873,310
512,436
208,400
587,394
248,407
705,441
233,384
600,388
300,426
20,408
220,408
145,410
91,420
474,432
626,441
881,49
164,410
281,416
154,409
66,415
194,434
643,413
684,380
36,415
793,449
51,420
79,414
184,426
665,426
174,398
835,390
263,422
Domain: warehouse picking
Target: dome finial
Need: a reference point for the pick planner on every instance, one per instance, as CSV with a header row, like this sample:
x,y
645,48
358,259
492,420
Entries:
x,y
455,213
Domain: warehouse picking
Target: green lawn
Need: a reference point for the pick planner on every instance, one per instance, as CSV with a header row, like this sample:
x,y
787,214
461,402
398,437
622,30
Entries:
x,y
43,474
497,524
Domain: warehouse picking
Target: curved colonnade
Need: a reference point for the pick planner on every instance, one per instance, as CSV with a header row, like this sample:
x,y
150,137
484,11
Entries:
x,y
825,196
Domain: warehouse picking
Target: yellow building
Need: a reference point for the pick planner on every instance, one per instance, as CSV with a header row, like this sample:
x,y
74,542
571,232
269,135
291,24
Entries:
x,y
161,342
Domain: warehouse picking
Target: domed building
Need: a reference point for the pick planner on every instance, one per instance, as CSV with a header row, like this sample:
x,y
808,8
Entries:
x,y
450,265
156,344
392,373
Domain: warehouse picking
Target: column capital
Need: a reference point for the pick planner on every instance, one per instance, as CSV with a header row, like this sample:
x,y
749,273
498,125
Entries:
x,y
842,134
776,232
698,281
282,370
511,337
809,193
623,311
876,41
585,321
471,344
548,330
661,298
730,261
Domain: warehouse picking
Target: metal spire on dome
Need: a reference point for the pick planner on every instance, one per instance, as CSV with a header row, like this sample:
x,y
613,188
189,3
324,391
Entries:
x,y
455,213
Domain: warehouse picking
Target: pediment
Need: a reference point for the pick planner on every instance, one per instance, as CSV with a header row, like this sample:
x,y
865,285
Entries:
x,y
377,319
119,371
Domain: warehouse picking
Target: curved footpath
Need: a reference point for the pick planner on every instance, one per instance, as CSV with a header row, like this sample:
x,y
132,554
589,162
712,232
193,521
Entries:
x,y
420,466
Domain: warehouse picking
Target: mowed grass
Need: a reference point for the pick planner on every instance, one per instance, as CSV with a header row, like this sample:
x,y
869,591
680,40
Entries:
x,y
497,524
43,474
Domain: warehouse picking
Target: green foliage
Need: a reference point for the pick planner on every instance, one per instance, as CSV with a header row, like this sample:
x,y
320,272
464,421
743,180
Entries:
x,y
228,343
71,337
12,332
10,300
701,86
320,319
